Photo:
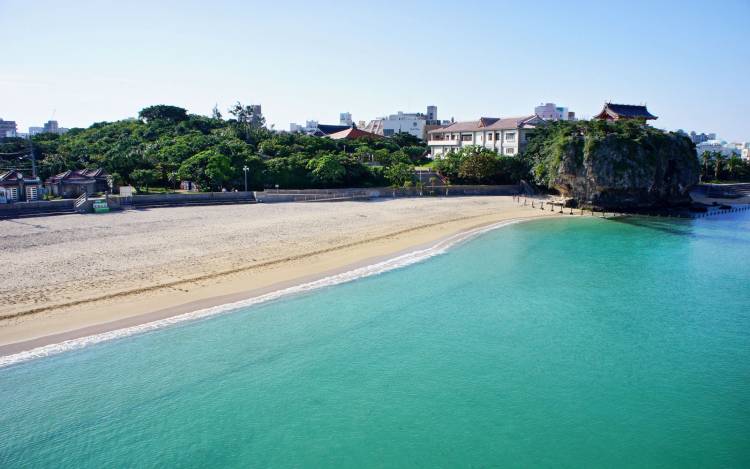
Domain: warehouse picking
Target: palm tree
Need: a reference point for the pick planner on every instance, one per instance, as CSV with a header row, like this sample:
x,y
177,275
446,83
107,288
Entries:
x,y
706,158
732,163
719,160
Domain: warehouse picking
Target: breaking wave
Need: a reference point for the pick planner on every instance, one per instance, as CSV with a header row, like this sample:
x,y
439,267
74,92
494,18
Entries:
x,y
397,262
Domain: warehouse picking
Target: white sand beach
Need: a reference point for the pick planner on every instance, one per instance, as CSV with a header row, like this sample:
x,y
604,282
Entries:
x,y
73,275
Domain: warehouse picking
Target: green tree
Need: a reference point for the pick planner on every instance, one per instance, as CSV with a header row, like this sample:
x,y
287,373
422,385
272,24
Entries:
x,y
400,174
209,168
447,165
405,139
719,160
327,170
247,115
143,178
733,164
479,165
163,112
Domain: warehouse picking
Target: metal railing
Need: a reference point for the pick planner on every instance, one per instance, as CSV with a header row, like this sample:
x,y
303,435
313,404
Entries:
x,y
82,199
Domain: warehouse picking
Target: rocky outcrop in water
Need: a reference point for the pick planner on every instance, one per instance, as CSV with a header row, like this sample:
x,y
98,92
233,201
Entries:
x,y
616,166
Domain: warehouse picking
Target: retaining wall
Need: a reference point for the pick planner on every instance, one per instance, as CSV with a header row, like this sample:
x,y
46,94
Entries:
x,y
309,195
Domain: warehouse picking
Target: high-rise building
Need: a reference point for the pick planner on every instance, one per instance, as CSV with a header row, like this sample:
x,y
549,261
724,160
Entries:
x,y
345,118
7,128
432,113
51,127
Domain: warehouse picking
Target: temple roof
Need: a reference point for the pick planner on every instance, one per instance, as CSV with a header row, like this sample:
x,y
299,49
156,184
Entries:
x,y
624,111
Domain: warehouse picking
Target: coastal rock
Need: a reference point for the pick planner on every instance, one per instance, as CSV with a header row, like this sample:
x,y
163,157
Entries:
x,y
642,169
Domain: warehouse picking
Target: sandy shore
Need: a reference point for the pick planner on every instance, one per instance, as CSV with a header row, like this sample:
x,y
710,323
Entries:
x,y
72,276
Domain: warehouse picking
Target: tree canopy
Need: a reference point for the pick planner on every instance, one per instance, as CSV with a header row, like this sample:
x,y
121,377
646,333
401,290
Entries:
x,y
163,111
474,164
168,145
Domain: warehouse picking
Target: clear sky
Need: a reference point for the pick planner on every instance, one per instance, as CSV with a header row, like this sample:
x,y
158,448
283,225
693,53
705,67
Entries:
x,y
84,62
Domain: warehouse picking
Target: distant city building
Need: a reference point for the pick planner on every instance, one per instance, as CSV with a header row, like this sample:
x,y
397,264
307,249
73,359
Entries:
x,y
314,128
411,123
552,112
7,128
719,146
345,118
701,137
614,112
506,136
697,138
745,152
51,127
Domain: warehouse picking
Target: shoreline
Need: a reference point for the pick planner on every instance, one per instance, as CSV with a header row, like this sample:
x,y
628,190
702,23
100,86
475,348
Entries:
x,y
20,352
88,318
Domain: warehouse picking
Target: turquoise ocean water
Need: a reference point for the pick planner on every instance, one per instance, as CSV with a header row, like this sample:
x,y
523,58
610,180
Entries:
x,y
555,343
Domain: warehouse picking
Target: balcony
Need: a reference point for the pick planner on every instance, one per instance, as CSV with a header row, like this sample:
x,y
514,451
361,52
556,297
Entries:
x,y
444,143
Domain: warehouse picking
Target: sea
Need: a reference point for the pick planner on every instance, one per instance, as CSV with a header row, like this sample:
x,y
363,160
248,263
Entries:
x,y
568,342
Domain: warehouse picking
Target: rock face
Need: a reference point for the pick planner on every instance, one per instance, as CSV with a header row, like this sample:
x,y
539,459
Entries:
x,y
613,172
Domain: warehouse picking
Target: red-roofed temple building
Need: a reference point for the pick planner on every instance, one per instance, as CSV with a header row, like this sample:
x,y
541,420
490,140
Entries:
x,y
614,112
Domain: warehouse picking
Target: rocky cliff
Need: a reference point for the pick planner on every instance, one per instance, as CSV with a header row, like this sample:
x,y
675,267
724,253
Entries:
x,y
616,166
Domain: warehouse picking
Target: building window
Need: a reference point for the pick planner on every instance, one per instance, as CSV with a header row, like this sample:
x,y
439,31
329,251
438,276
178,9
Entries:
x,y
32,193
466,138
510,137
388,132
510,151
489,136
12,193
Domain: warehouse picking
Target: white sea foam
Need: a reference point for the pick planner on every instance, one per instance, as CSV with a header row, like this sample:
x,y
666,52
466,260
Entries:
x,y
361,272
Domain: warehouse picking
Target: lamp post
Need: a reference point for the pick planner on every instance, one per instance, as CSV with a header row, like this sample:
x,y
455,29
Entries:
x,y
245,169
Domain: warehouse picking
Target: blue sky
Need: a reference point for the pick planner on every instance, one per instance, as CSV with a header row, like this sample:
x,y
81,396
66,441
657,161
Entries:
x,y
85,62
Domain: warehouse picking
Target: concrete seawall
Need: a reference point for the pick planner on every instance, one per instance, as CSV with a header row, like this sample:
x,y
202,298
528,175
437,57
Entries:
x,y
309,195
115,202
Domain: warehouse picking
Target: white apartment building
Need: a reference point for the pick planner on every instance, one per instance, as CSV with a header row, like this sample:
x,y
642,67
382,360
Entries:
x,y
412,123
552,112
506,136
721,146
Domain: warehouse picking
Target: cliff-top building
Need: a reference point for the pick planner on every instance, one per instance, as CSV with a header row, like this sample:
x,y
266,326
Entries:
x,y
614,112
507,136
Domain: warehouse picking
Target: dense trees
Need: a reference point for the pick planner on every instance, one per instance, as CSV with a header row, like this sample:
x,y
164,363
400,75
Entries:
x,y
629,147
478,165
718,167
162,111
167,145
